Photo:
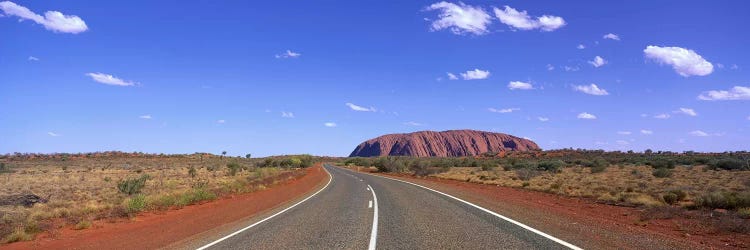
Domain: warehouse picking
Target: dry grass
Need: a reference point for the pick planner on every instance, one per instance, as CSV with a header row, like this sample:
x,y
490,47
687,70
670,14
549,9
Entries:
x,y
628,184
85,189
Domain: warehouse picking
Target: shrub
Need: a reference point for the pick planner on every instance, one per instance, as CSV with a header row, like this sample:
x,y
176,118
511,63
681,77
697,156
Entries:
x,y
192,172
662,173
195,196
487,165
135,204
132,186
598,165
728,164
84,224
18,235
526,174
674,196
233,168
724,200
551,166
662,163
5,168
744,212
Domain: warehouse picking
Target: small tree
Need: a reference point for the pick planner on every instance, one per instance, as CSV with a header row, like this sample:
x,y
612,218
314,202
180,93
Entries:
x,y
248,156
223,153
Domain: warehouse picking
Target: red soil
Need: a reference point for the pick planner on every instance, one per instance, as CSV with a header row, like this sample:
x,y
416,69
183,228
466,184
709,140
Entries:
x,y
157,230
597,225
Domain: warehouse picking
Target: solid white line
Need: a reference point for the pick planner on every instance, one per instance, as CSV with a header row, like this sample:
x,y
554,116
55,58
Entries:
x,y
370,205
550,237
274,215
374,232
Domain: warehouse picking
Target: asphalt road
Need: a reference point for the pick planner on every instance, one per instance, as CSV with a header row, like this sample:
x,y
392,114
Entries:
x,y
342,216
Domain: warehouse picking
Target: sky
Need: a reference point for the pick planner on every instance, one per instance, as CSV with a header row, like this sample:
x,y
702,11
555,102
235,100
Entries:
x,y
319,77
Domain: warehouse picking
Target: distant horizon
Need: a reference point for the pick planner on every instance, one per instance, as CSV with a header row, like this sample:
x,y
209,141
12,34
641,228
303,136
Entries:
x,y
274,78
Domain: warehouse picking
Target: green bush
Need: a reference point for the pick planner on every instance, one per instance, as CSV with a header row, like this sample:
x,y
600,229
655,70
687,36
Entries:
x,y
551,165
744,212
195,196
662,173
724,200
132,186
598,165
728,164
234,168
5,168
674,196
135,204
662,163
192,172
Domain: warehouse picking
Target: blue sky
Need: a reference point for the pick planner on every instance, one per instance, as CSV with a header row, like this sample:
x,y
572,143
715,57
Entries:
x,y
283,77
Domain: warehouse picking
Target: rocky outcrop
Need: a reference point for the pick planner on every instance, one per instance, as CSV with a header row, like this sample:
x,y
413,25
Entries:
x,y
451,143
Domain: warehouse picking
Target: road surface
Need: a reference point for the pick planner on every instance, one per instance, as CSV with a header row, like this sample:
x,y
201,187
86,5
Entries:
x,y
361,211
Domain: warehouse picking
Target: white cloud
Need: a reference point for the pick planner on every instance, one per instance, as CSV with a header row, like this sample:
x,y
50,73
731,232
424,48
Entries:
x,y
460,18
451,76
734,66
698,133
591,89
506,110
581,46
647,132
52,20
520,85
53,134
550,67
622,142
360,108
612,36
735,93
662,116
221,121
109,79
145,117
287,114
598,61
330,124
684,61
586,116
572,68
411,123
542,119
475,74
686,111
288,54
522,21
624,132
31,58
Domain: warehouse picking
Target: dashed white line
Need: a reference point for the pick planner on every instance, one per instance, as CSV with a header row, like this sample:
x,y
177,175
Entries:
x,y
374,232
550,237
370,205
330,178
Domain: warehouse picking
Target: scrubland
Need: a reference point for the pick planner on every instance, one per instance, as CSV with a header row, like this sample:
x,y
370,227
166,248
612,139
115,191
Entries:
x,y
82,188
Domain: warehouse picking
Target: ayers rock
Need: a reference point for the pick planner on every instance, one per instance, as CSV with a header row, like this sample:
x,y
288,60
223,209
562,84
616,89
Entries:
x,y
449,143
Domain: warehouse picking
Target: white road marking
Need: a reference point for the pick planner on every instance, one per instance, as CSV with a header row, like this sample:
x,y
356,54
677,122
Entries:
x,y
374,232
550,237
274,215
370,205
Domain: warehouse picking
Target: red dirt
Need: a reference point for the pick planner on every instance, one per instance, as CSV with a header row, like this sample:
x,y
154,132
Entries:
x,y
157,230
597,225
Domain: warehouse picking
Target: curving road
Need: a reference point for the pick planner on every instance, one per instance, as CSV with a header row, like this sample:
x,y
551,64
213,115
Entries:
x,y
360,211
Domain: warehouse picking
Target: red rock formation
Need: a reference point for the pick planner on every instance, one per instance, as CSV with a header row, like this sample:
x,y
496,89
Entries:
x,y
449,143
